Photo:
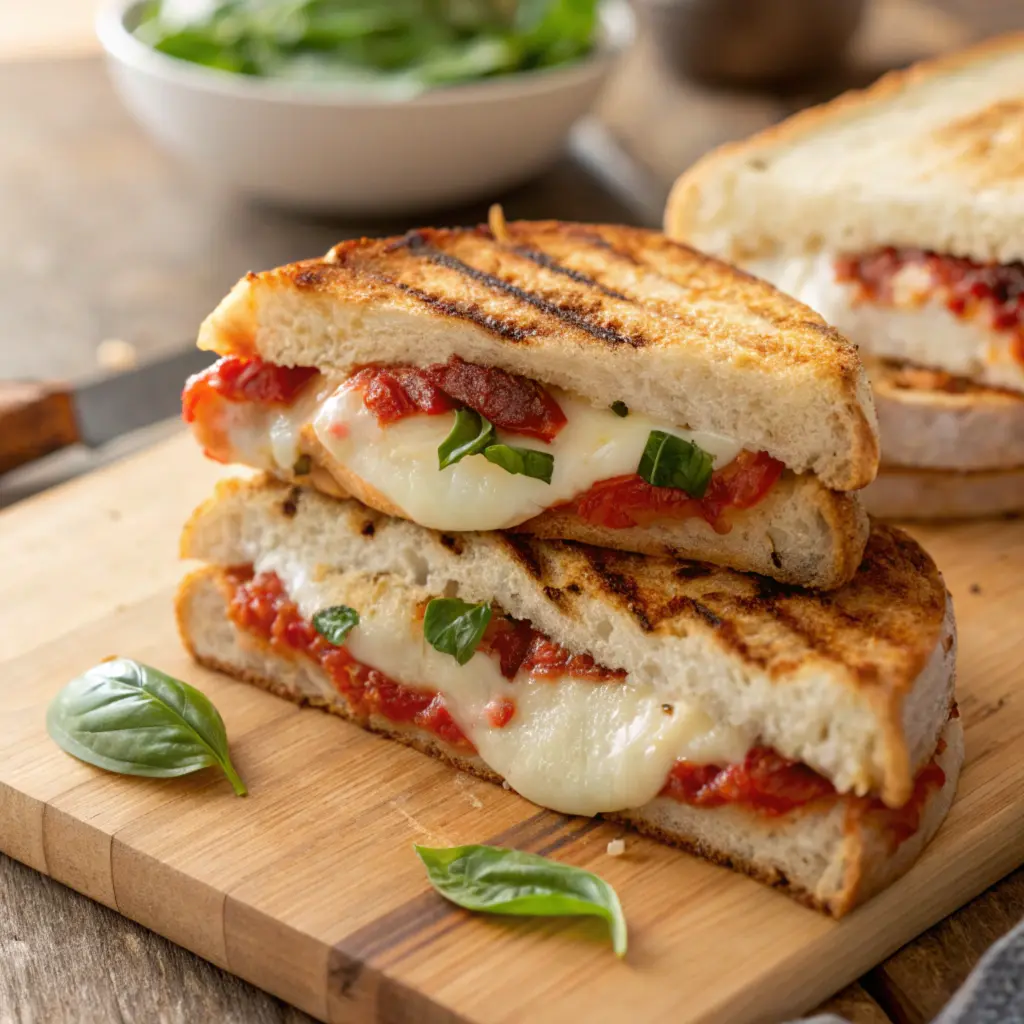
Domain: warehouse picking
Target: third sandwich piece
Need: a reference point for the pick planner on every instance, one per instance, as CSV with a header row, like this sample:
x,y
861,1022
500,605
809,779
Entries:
x,y
898,214
582,382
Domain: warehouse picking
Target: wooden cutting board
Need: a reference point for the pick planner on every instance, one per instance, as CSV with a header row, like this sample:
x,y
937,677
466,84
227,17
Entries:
x,y
309,887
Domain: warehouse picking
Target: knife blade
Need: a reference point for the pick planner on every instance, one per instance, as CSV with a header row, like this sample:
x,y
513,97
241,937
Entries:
x,y
37,418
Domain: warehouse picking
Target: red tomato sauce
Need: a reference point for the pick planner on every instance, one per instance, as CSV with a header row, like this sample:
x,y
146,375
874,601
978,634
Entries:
x,y
517,646
234,379
261,606
516,404
625,501
771,784
995,290
245,380
393,392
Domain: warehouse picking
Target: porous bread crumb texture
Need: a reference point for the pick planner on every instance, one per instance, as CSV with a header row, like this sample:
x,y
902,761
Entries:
x,y
822,678
610,313
816,856
932,158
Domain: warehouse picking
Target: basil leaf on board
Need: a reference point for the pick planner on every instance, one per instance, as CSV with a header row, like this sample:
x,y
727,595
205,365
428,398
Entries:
x,y
500,881
620,409
521,461
455,627
133,719
470,435
335,623
669,461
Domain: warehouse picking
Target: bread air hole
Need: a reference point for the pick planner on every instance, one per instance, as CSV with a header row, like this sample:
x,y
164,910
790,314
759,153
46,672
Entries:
x,y
417,567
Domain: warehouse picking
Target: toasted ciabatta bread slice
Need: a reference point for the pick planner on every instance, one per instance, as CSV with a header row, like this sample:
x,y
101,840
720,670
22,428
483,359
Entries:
x,y
855,683
927,158
906,492
800,533
612,314
832,854
932,420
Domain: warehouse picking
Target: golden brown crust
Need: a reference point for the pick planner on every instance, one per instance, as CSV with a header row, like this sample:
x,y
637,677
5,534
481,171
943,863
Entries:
x,y
684,198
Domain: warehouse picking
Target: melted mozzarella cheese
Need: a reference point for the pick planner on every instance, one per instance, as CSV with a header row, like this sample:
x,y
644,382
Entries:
x,y
923,331
574,746
400,461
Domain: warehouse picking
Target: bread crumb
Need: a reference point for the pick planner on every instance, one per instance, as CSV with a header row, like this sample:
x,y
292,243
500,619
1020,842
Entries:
x,y
616,848
116,354
505,785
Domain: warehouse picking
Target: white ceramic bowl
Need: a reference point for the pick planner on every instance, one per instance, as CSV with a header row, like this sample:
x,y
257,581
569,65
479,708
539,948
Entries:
x,y
335,148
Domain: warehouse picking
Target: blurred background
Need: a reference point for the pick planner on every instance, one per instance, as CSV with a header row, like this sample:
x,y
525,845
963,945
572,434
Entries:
x,y
147,165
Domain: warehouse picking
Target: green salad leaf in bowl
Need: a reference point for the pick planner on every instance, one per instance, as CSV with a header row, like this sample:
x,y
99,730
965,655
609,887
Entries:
x,y
406,44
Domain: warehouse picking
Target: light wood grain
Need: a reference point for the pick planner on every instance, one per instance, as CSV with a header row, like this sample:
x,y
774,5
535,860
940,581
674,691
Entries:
x,y
309,886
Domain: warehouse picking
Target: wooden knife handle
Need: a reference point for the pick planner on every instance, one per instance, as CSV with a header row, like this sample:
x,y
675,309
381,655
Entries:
x,y
35,419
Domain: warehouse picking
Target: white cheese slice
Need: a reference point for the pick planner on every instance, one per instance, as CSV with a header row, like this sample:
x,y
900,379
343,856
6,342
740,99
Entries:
x,y
400,461
924,331
574,746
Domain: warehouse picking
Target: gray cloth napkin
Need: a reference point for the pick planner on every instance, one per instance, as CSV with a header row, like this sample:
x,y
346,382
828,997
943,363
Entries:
x,y
993,994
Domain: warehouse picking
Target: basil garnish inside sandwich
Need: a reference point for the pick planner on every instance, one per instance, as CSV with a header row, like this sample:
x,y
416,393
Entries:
x,y
133,719
522,461
335,623
494,880
669,461
471,434
455,627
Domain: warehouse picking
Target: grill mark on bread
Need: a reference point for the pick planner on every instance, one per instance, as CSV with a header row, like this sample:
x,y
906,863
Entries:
x,y
521,548
620,586
508,329
542,259
574,315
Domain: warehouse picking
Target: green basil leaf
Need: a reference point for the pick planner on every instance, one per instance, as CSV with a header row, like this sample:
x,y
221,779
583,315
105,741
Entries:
x,y
335,623
521,461
669,461
620,409
455,627
499,881
470,435
130,718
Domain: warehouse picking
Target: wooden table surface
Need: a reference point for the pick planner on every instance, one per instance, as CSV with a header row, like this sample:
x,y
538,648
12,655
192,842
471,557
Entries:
x,y
104,237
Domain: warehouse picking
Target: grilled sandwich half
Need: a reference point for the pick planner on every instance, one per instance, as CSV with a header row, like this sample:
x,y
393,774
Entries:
x,y
897,212
583,382
811,740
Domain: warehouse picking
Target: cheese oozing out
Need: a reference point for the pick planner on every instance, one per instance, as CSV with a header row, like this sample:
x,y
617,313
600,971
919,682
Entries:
x,y
919,328
400,460
572,745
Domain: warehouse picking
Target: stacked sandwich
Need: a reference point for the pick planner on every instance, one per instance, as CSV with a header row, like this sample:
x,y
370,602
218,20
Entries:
x,y
896,213
547,501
